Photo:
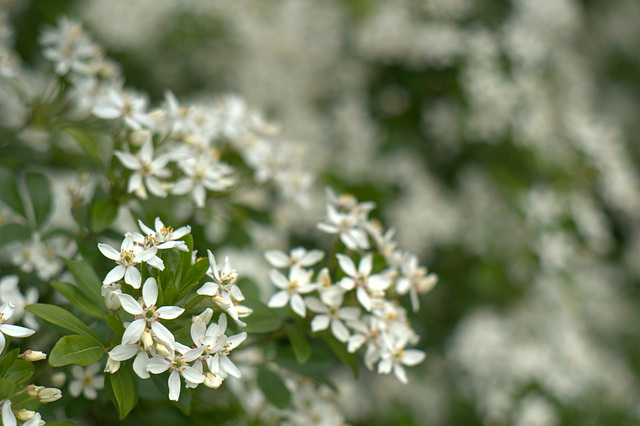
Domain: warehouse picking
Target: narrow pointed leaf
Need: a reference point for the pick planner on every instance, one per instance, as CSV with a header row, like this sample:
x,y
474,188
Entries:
x,y
20,371
123,389
10,193
115,324
103,213
8,360
63,318
273,387
39,190
299,343
86,278
76,349
78,299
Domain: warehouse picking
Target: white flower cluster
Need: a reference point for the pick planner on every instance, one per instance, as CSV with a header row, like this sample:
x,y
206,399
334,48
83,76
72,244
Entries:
x,y
175,149
378,322
152,344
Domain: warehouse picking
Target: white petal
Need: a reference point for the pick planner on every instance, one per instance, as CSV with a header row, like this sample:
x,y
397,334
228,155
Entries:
x,y
75,388
278,279
312,257
130,304
229,367
140,365
278,300
277,258
174,386
133,333
155,186
208,289
384,367
412,356
145,228
109,251
298,306
3,342
192,375
366,264
115,274
363,297
339,330
163,333
123,352
347,265
169,312
90,392
132,277
315,305
16,330
400,373
8,418
150,292
157,365
320,322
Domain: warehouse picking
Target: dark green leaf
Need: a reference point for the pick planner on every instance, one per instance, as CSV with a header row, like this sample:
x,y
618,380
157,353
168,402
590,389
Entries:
x,y
63,318
86,278
10,193
186,398
20,371
76,349
193,276
299,343
339,349
123,390
62,423
86,142
273,387
78,299
115,324
8,360
262,320
39,190
103,213
6,388
14,232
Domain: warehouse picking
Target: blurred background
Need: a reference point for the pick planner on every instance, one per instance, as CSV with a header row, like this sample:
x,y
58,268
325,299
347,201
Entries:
x,y
498,137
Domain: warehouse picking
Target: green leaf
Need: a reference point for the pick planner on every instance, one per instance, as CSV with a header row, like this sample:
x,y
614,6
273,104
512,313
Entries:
x,y
262,320
339,349
63,318
20,371
8,360
62,423
39,190
115,324
273,387
76,349
10,193
299,343
86,278
123,390
14,232
103,213
193,276
6,388
78,299
186,397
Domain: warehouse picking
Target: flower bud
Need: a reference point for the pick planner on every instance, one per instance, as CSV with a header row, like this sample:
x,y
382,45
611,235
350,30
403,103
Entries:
x,y
221,302
24,415
32,356
147,339
112,366
33,390
162,350
212,380
58,379
243,311
49,395
138,137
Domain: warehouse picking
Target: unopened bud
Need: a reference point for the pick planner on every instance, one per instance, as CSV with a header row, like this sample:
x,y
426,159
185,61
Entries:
x,y
112,366
32,356
243,311
147,340
58,379
138,137
24,415
49,395
212,380
221,302
33,390
162,350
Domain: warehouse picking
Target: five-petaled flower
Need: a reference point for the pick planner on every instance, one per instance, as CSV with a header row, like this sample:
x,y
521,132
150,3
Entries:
x,y
130,255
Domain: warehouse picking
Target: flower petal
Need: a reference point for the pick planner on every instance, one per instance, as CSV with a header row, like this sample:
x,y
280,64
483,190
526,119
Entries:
x,y
132,277
169,312
174,386
130,304
278,300
133,333
16,330
150,292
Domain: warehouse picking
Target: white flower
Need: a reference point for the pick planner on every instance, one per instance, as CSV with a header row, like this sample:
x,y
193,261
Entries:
x,y
147,315
201,174
362,279
85,381
331,313
415,280
164,237
146,169
178,364
70,49
290,289
128,106
220,364
298,256
395,355
346,226
129,256
223,288
10,292
6,311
